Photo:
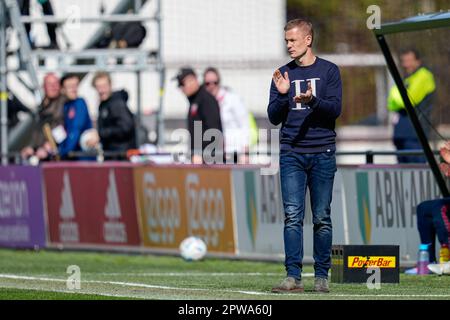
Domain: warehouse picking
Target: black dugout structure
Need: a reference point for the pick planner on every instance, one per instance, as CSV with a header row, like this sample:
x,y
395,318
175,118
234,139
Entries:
x,y
416,23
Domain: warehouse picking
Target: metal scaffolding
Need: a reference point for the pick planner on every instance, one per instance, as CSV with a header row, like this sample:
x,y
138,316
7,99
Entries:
x,y
83,61
3,92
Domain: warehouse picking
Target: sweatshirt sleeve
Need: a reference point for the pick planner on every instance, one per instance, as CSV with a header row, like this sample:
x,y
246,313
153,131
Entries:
x,y
278,105
331,104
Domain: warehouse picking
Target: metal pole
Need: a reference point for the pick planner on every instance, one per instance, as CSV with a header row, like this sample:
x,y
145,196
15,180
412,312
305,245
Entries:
x,y
139,109
381,90
137,6
162,72
3,90
369,157
87,19
413,116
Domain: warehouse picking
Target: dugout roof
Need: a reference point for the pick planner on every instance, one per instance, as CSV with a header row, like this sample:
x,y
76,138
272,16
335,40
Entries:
x,y
416,23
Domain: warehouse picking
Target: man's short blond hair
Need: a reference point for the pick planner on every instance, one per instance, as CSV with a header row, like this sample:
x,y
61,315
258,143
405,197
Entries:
x,y
101,74
303,24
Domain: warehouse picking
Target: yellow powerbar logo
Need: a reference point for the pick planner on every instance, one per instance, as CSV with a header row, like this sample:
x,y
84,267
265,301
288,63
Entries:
x,y
373,261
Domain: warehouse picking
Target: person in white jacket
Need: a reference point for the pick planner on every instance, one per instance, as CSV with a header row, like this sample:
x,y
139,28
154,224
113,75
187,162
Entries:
x,y
234,116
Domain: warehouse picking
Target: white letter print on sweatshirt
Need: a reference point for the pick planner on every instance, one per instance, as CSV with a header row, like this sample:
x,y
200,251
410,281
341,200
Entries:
x,y
298,105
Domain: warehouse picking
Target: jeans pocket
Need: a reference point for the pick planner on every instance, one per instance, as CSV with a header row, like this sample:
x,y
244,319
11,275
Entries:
x,y
327,160
327,155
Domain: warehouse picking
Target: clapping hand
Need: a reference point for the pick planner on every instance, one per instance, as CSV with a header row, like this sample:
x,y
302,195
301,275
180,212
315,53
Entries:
x,y
304,97
281,82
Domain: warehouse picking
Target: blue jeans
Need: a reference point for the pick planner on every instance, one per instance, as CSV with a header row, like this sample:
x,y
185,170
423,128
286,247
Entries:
x,y
299,171
432,220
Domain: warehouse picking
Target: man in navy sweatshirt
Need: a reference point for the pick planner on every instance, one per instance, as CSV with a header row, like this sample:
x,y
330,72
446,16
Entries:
x,y
305,97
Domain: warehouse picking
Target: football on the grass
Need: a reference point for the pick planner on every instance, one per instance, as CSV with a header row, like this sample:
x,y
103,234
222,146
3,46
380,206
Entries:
x,y
192,249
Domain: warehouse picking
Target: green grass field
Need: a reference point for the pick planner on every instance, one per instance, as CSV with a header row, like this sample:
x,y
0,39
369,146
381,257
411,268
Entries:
x,y
42,275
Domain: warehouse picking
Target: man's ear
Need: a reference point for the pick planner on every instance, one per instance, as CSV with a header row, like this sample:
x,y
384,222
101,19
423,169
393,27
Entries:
x,y
309,40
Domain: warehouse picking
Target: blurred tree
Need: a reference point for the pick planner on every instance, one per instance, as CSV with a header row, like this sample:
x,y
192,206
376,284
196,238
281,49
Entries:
x,y
341,25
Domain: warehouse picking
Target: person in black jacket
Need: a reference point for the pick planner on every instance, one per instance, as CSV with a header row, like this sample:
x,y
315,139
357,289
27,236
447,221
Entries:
x,y
203,111
115,123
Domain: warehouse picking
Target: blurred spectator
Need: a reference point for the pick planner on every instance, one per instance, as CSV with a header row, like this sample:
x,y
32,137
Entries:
x,y
123,35
15,106
203,108
50,112
115,123
127,35
76,116
234,115
433,219
419,82
51,27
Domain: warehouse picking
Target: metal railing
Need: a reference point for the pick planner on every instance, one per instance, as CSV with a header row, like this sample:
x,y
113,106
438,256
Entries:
x,y
93,19
370,154
97,59
105,155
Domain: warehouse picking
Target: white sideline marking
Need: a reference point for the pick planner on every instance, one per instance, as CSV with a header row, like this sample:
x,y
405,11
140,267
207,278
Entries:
x,y
143,285
76,292
198,274
130,284
126,284
18,277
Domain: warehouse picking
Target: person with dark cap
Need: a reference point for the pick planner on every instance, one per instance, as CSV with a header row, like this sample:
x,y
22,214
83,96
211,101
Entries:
x,y
203,108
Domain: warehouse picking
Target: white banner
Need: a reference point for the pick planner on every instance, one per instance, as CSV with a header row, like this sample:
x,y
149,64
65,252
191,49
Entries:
x,y
381,205
371,205
260,215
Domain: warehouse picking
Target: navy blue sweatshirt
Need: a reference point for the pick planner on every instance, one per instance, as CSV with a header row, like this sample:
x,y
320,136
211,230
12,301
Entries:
x,y
308,128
